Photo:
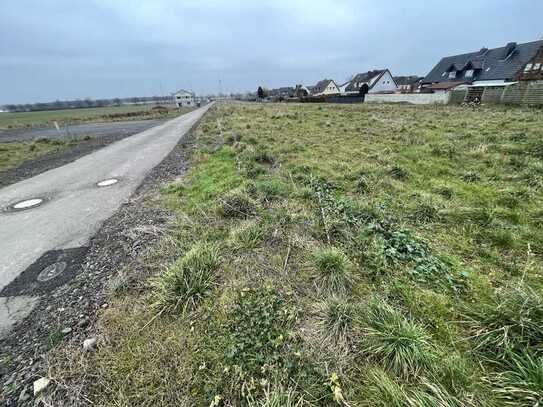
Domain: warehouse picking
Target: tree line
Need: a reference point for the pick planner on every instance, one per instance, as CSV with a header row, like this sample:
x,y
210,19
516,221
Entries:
x,y
87,102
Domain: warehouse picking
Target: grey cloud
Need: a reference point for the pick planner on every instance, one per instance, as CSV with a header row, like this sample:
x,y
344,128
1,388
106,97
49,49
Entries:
x,y
100,48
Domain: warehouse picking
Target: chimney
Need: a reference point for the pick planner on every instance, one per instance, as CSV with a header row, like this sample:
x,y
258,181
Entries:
x,y
509,49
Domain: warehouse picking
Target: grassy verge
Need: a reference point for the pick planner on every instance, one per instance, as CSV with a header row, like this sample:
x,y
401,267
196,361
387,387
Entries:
x,y
367,255
85,115
14,154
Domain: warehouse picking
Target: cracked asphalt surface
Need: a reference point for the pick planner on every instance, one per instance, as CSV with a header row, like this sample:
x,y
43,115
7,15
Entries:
x,y
74,206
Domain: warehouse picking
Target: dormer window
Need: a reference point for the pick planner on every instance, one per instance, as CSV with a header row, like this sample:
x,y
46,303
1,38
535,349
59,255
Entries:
x,y
469,73
528,68
452,74
536,67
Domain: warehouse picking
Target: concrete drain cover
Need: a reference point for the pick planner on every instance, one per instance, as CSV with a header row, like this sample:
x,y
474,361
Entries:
x,y
27,204
51,271
108,182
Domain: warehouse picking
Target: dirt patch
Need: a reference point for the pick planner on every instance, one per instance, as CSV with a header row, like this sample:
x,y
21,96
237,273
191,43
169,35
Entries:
x,y
55,159
66,315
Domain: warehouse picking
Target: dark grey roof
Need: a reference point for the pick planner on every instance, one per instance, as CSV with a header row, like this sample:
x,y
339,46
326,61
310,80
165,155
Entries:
x,y
489,64
321,85
366,77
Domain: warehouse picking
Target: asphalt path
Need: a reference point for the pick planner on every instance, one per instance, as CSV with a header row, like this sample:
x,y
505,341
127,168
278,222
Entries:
x,y
74,206
79,130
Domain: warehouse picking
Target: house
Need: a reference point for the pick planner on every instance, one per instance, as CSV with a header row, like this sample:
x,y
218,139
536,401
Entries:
x,y
407,84
184,98
325,87
378,81
486,67
533,69
284,92
301,91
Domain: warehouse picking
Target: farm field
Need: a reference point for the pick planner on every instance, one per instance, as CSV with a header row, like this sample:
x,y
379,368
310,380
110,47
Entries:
x,y
15,154
352,255
71,116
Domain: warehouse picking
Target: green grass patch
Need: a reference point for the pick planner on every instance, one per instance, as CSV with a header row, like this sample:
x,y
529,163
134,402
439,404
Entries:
x,y
14,154
373,255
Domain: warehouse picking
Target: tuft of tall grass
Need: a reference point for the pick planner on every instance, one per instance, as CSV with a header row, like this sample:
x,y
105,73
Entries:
x,y
400,344
335,317
512,319
277,396
248,235
236,204
381,390
334,270
522,383
186,282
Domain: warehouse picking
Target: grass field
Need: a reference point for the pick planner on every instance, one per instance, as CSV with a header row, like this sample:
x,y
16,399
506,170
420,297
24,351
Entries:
x,y
368,255
46,118
14,154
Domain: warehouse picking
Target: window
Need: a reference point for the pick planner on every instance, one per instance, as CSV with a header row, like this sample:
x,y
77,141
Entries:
x,y
528,67
537,67
469,73
443,74
452,75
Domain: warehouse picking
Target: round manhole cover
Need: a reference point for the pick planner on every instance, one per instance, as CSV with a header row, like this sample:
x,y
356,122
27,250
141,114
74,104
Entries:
x,y
51,271
27,204
108,182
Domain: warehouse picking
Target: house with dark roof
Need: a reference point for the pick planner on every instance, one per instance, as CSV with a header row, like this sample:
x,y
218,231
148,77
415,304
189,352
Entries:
x,y
486,67
377,81
533,69
407,84
325,87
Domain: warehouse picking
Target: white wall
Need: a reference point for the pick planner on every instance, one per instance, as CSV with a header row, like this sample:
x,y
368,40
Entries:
x,y
384,84
414,98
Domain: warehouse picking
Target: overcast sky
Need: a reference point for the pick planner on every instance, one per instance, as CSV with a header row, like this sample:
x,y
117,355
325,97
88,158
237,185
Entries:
x,y
63,49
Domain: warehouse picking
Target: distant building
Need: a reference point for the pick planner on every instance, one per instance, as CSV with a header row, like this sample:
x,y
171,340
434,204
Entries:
x,y
378,81
284,92
533,69
325,87
486,67
184,98
301,91
407,84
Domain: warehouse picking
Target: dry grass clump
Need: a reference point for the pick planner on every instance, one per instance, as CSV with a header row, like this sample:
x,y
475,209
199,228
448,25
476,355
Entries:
x,y
334,274
398,343
335,318
186,282
236,204
512,319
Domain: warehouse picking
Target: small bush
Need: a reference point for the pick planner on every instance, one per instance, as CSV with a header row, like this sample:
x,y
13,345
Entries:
x,y
185,283
400,344
334,270
510,320
236,204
